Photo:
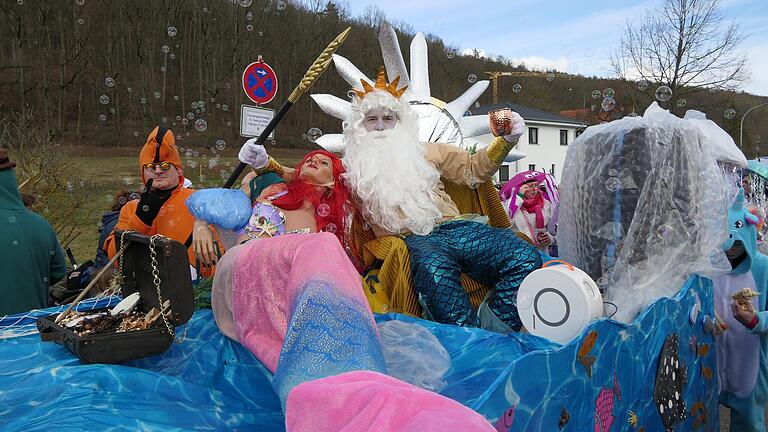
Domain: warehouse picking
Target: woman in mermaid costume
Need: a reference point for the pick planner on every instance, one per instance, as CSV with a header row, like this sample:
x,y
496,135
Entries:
x,y
290,294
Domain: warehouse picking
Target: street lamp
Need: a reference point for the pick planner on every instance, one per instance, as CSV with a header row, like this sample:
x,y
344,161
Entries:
x,y
741,126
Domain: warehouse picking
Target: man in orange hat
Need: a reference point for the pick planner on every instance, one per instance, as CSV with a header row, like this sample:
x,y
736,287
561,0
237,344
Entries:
x,y
161,208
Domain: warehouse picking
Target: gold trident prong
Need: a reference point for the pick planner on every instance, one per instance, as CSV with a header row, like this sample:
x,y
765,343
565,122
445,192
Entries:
x,y
318,67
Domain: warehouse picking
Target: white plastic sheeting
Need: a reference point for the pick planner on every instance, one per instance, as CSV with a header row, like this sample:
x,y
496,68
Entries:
x,y
643,205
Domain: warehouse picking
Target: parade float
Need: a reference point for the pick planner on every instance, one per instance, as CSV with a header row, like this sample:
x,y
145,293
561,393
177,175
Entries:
x,y
643,213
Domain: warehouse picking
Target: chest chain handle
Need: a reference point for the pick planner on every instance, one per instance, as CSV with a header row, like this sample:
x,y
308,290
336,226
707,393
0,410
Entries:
x,y
119,278
156,279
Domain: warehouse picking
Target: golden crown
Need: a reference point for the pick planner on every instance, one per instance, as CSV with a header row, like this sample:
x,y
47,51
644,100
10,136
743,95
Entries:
x,y
381,84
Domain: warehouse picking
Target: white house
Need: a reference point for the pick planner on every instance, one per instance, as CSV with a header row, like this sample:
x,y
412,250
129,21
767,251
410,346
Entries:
x,y
545,140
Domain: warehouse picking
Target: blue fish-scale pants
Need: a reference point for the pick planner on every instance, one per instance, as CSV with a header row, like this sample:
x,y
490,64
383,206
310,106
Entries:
x,y
492,256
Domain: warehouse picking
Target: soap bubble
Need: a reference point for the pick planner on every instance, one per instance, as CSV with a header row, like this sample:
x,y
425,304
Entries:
x,y
205,10
220,145
143,100
81,21
249,16
517,88
184,121
172,56
133,196
172,31
196,153
550,76
102,117
471,78
19,2
127,180
156,95
190,115
612,184
643,85
609,93
608,104
201,125
121,200
330,228
166,49
730,113
244,3
261,33
663,93
112,111
80,2
145,208
109,82
313,134
323,210
596,94
667,172
193,105
664,231
104,99
249,28
178,118
136,134
281,5
450,54
162,68
225,107
681,103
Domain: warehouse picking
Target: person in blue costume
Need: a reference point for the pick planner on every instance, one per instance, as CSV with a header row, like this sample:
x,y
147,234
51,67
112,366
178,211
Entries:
x,y
742,339
397,182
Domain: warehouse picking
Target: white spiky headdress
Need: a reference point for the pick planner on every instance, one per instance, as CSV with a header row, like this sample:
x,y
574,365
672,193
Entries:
x,y
438,121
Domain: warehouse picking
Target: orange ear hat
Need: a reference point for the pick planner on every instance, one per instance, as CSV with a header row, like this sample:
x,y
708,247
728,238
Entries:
x,y
160,146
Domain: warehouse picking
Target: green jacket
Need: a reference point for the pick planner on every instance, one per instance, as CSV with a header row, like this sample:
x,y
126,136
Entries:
x,y
31,258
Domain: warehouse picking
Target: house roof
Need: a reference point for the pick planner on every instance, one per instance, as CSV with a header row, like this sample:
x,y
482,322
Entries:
x,y
528,113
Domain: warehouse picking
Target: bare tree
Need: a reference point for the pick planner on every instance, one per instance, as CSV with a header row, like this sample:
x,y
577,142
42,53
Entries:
x,y
685,45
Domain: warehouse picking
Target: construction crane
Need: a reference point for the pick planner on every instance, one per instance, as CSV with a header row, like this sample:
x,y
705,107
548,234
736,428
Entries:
x,y
495,78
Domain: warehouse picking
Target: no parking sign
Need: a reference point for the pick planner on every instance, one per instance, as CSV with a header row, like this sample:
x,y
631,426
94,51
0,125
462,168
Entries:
x,y
259,82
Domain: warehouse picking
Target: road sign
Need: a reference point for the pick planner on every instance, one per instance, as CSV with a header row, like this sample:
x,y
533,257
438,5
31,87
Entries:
x,y
259,82
253,120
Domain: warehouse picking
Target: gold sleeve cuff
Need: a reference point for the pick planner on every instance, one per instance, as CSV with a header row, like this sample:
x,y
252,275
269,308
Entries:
x,y
498,150
272,167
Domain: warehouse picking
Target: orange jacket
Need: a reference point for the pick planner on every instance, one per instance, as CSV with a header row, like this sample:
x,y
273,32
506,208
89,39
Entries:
x,y
173,221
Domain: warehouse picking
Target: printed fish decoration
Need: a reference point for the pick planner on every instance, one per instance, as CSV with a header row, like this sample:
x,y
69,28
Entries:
x,y
604,406
702,350
505,421
698,419
671,375
586,346
565,417
632,420
706,372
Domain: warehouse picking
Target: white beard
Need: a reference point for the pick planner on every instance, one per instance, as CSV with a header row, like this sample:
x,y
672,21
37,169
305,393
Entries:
x,y
389,175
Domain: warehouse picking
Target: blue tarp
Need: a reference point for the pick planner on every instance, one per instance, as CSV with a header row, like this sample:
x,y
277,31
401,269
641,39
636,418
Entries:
x,y
208,382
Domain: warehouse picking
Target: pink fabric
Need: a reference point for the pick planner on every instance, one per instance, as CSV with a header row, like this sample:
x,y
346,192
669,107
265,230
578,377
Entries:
x,y
535,206
511,188
267,277
369,401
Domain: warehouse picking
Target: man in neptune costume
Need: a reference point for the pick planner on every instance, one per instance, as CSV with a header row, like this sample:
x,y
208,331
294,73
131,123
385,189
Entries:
x,y
742,348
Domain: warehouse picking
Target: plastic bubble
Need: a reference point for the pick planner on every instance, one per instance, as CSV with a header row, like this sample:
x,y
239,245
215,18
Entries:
x,y
730,113
643,85
172,31
12,219
313,134
102,117
249,16
156,95
596,94
450,54
172,56
104,99
609,93
190,115
184,121
331,228
81,21
608,104
517,88
220,144
550,76
612,184
109,82
201,125
323,210
121,200
80,2
281,5
166,49
225,107
145,208
472,78
681,103
249,28
143,100
663,93
664,231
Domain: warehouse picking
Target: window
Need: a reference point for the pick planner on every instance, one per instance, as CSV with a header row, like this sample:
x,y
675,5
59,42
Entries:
x,y
563,137
579,132
503,173
532,167
552,170
533,135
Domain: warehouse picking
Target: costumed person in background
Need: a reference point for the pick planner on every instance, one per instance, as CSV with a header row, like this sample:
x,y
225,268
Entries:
x,y
531,209
291,295
160,208
395,180
108,222
742,336
31,258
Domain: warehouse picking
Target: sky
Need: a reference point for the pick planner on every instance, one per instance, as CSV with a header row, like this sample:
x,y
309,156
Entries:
x,y
575,36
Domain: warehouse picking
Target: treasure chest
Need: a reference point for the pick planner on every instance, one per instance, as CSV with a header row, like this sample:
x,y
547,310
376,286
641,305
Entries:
x,y
157,268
